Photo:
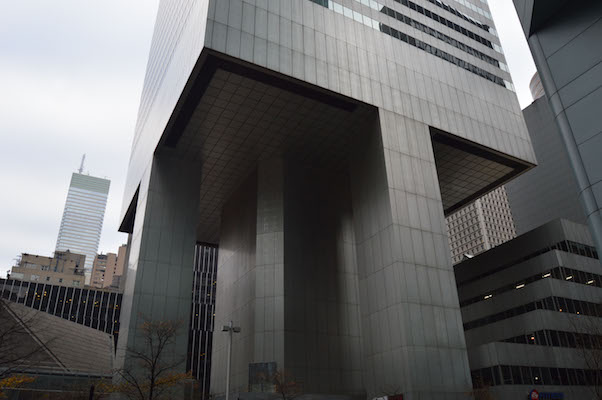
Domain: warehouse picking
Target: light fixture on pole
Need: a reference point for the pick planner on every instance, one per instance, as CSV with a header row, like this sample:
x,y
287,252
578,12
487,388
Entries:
x,y
231,329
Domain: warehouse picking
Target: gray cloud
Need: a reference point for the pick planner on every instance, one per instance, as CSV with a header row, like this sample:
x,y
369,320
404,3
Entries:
x,y
71,75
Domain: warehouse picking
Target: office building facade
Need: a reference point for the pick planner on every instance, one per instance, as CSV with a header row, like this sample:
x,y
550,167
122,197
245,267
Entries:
x,y
83,216
95,308
63,269
116,275
532,316
108,270
564,38
550,190
102,263
480,226
319,145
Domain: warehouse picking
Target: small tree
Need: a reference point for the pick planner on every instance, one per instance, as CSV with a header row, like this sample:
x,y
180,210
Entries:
x,y
15,327
13,382
151,375
285,385
588,341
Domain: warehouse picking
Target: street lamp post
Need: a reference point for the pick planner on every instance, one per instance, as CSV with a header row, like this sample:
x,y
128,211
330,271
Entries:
x,y
231,329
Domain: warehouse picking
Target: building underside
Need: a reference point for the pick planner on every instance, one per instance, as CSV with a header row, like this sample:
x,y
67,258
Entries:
x,y
329,216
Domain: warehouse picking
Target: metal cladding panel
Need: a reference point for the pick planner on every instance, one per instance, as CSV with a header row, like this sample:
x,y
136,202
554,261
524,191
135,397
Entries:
x,y
177,43
437,63
394,57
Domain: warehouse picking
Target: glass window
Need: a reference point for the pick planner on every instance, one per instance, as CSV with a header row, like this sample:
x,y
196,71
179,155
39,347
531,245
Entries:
x,y
487,376
516,375
572,376
536,373
526,373
546,376
581,379
506,375
570,306
555,376
496,375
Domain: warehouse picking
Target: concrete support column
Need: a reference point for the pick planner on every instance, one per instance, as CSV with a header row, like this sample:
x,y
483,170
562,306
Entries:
x,y
322,342
250,284
269,262
413,341
161,255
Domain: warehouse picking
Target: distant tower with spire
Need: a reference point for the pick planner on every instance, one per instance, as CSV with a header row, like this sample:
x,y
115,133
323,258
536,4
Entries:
x,y
83,216
81,166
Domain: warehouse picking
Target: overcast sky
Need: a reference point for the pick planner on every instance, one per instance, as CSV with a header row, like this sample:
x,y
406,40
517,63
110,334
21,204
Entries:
x,y
71,74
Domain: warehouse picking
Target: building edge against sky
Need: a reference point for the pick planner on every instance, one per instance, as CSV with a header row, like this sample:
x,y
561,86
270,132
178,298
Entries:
x,y
564,38
83,216
404,114
549,191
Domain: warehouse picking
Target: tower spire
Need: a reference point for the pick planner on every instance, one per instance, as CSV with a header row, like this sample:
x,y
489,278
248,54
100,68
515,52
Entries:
x,y
81,167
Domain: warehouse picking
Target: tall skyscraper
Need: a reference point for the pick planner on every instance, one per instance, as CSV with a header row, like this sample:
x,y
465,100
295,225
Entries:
x,y
564,38
319,144
83,216
481,225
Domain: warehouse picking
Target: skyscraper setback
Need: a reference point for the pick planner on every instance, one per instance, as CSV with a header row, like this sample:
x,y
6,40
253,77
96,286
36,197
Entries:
x,y
83,216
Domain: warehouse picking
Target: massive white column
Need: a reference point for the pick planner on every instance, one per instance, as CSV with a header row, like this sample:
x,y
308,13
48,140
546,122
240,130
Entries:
x,y
413,341
159,277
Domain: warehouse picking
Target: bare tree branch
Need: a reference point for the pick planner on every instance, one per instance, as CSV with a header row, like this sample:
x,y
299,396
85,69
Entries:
x,y
149,374
15,328
588,341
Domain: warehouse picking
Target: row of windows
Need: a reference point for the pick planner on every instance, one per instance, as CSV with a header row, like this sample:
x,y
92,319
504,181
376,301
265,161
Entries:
x,y
520,375
474,8
552,303
97,309
561,273
566,246
552,338
441,36
349,13
444,21
36,278
465,17
443,55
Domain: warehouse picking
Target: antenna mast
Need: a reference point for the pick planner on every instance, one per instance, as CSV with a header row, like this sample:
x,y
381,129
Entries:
x,y
81,167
